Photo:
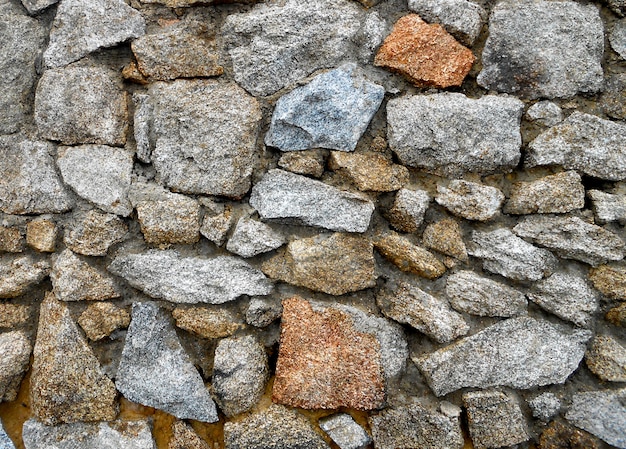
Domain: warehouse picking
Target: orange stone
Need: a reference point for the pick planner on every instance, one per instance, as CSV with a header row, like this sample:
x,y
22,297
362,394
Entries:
x,y
324,362
425,54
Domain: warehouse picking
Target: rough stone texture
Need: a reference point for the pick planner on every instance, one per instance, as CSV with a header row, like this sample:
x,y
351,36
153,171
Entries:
x,y
415,426
251,238
184,437
425,54
613,99
261,312
495,419
553,194
545,113
617,6
295,199
15,349
306,162
519,352
450,134
370,171
582,142
34,6
610,281
572,238
409,257
543,49
504,253
277,427
100,174
608,207
240,371
176,3
617,38
5,441
559,435
19,273
156,371
617,315
409,207
471,293
76,105
606,358
11,240
568,296
446,237
470,200
430,315
169,276
13,315
216,227
101,319
207,322
67,384
41,235
93,233
345,432
545,406
601,413
29,183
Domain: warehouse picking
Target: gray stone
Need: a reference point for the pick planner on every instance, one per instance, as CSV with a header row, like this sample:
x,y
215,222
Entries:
x,y
553,194
34,6
572,238
261,312
409,207
606,358
450,134
608,207
520,353
545,406
546,113
29,183
77,105
617,38
240,372
156,371
332,111
470,200
80,28
295,199
115,434
506,254
19,273
216,227
93,233
567,296
471,293
461,18
345,432
190,280
5,441
141,128
432,316
15,349
601,413
613,99
100,174
534,51
582,142
251,238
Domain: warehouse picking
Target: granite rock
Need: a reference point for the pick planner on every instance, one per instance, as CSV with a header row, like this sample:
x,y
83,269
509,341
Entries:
x,y
345,432
142,119
262,312
470,200
13,315
41,235
252,237
184,437
93,233
608,207
5,441
545,406
408,209
610,281
305,162
216,227
617,38
15,349
34,6
606,358
369,171
19,273
552,194
11,240
601,413
445,236
613,99
409,257
617,6
617,315
207,321
101,319
546,113
177,3
560,434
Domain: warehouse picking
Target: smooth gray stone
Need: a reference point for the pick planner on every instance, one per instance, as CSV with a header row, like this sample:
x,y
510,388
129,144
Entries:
x,y
608,207
461,18
345,431
251,238
156,371
601,413
5,441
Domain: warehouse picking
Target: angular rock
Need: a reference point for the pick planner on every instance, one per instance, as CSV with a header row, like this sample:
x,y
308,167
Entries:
x,y
156,371
251,238
613,99
261,312
545,113
5,441
617,38
13,315
141,129
305,162
608,207
190,280
15,349
425,54
370,171
409,257
534,51
617,315
606,358
545,406
553,194
207,322
41,235
67,384
294,199
184,437
610,281
470,200
345,432
445,236
176,3
409,207
520,353
332,111
601,413
93,233
77,105
450,134
19,273
101,319
80,28
34,6
216,227
11,240
471,293
559,434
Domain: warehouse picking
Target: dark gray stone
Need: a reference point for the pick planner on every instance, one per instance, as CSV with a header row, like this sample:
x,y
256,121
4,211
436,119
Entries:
x,y
34,6
5,441
613,99
601,413
461,18
261,312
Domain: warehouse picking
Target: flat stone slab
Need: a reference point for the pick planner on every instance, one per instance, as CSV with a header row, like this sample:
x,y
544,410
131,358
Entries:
x,y
408,257
369,171
461,18
601,413
15,348
18,273
553,194
470,200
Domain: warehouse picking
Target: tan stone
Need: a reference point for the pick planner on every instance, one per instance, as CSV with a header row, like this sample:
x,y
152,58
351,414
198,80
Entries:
x,y
131,73
93,233
425,54
408,209
173,219
308,162
324,362
617,315
559,193
11,240
207,322
19,273
101,319
409,257
184,437
611,281
41,235
445,236
370,171
15,351
606,358
12,315
216,227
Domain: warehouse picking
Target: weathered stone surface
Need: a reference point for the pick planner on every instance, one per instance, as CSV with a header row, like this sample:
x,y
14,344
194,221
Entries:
x,y
463,19
425,54
617,6
504,253
345,432
617,315
184,437
432,316
261,312
471,293
15,349
553,194
409,257
451,134
608,207
560,435
34,6
617,38
177,3
13,315
519,352
290,198
610,281
29,183
572,238
19,273
93,233
11,240
80,28
534,51
306,162
545,406
446,237
76,105
495,419
41,235
582,142
606,358
409,207
216,227
101,319
67,384
545,113
470,200
5,441
613,99
601,413
207,322
156,371
251,238
370,171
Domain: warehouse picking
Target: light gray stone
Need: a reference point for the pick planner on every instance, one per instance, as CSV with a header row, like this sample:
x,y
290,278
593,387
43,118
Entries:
x,y
190,280
34,6
553,194
608,207
93,233
450,134
19,273
295,199
15,349
617,38
156,371
601,413
545,406
461,18
345,432
80,28
251,238
141,129
520,353
261,312
332,111
606,358
216,227
5,441
409,207
546,113
534,49
470,200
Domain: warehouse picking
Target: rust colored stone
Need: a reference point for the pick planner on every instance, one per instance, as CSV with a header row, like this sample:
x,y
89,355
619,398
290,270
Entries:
x,y
611,281
425,54
409,257
617,315
324,362
41,235
11,240
559,435
445,236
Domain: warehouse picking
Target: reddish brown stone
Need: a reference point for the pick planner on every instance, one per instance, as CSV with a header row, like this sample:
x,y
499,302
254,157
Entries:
x,y
425,54
324,362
